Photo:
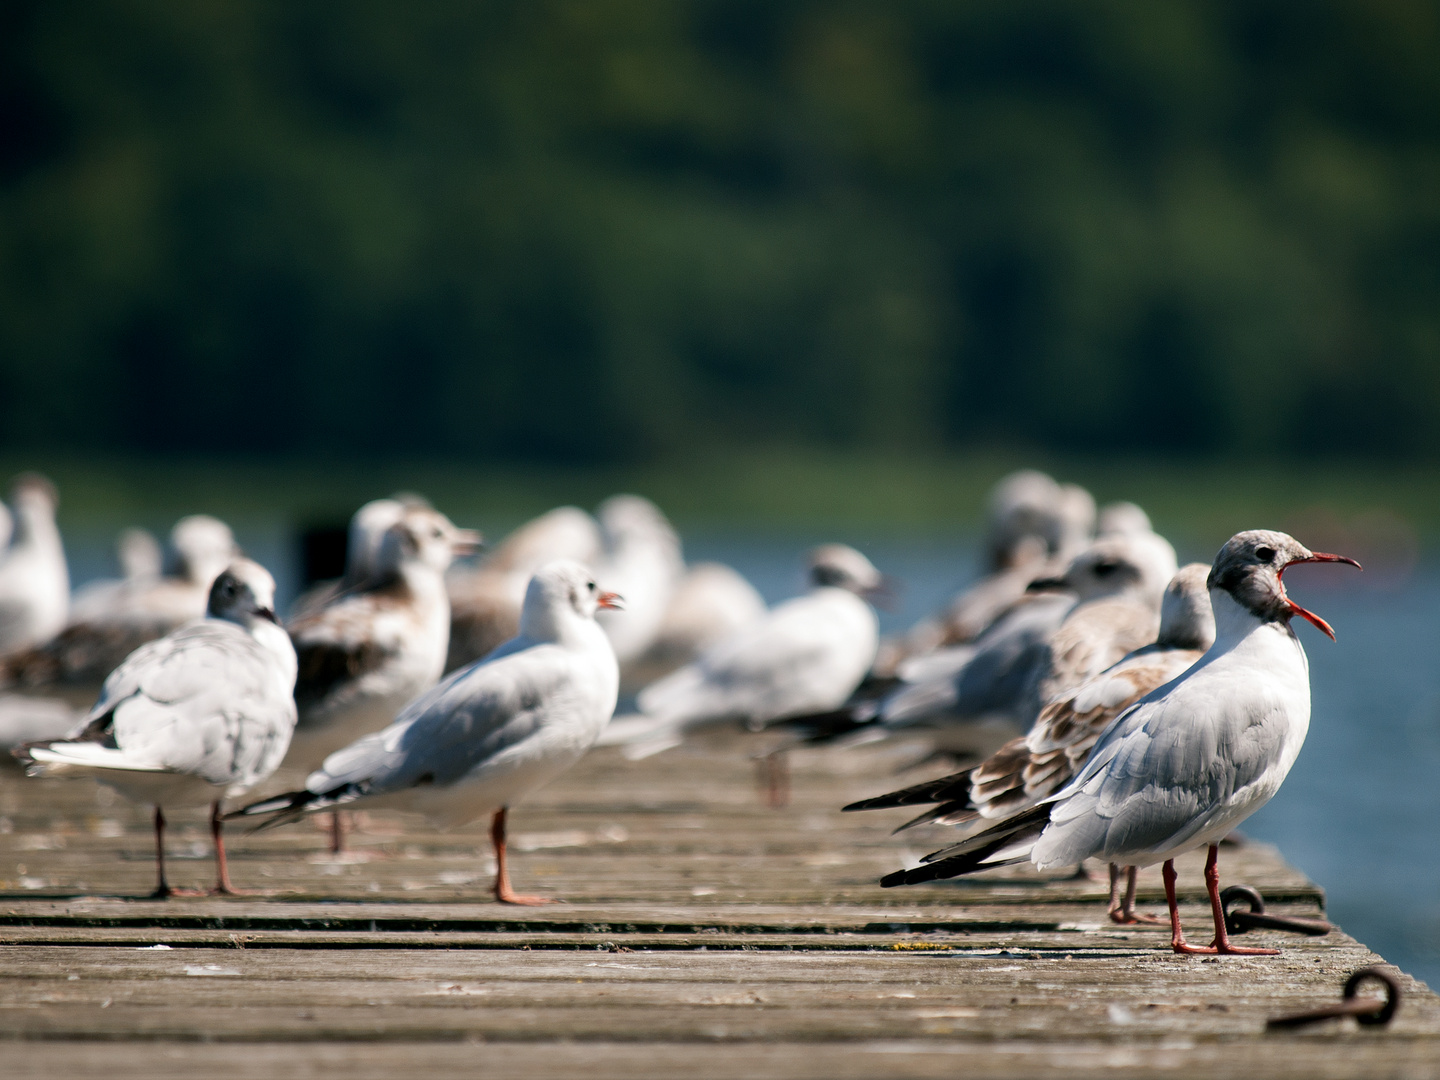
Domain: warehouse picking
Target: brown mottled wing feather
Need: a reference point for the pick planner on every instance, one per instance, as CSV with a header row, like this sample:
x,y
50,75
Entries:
x,y
1067,728
334,646
81,655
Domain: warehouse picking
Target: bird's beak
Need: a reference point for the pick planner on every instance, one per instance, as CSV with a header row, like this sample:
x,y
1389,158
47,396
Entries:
x,y
610,601
886,594
1295,609
268,614
1041,584
467,542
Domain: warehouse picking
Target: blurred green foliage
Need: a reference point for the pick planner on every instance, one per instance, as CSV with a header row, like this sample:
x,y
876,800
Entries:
x,y
612,230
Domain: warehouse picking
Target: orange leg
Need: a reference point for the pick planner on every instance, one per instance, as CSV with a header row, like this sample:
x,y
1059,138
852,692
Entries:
x,y
1221,945
222,867
1123,911
503,892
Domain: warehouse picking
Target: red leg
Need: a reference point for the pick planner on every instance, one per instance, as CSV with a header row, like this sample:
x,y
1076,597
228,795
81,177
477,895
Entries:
x,y
1177,936
1221,945
503,892
222,867
337,832
1123,911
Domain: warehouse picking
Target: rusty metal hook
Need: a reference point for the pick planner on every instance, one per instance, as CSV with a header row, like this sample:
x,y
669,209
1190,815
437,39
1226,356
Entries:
x,y
1237,922
1366,1010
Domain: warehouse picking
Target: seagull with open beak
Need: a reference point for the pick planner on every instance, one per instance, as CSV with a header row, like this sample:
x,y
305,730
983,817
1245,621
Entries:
x,y
1188,762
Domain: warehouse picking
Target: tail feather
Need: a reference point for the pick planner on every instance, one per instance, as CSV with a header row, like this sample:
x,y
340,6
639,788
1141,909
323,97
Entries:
x,y
954,788
293,805
62,755
949,813
1002,845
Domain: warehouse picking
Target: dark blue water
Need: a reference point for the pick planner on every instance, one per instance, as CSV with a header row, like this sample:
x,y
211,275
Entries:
x,y
1358,812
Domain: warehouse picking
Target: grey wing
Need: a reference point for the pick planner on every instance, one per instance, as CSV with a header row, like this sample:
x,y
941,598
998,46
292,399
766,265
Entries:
x,y
1161,773
471,716
203,701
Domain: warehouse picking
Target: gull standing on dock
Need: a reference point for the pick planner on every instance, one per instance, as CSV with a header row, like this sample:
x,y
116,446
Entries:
x,y
807,655
1035,766
491,732
1190,761
34,580
204,713
369,649
973,698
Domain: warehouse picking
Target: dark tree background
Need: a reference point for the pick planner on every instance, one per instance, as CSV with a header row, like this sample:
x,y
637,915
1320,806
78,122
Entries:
x,y
609,230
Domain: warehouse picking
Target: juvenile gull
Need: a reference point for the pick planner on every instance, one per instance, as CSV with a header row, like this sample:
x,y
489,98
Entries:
x,y
375,645
491,732
1192,759
1035,766
199,715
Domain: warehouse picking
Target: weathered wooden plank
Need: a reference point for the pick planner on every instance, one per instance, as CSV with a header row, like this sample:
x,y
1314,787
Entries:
x,y
697,916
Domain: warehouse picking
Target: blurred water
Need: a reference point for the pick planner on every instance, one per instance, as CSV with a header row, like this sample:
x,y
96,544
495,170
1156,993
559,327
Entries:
x,y
1358,811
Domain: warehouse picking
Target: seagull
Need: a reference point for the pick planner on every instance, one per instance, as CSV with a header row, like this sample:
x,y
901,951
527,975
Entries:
x,y
489,733
1069,628
34,581
201,714
374,647
1035,766
1036,527
111,621
1188,762
806,656
642,562
711,602
141,564
485,601
363,539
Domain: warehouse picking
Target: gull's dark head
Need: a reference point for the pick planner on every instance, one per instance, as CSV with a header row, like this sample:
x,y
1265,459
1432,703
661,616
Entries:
x,y
1249,568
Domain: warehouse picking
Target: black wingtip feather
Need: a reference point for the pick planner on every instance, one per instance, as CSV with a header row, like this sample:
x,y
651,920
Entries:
x,y
952,788
971,854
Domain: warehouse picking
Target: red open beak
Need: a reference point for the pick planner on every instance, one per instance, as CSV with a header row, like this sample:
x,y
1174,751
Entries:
x,y
1295,609
610,601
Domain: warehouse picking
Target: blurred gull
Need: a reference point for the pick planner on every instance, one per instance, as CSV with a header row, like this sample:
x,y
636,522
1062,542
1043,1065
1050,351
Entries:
x,y
485,601
491,732
807,655
969,699
1122,519
114,618
375,646
711,603
1034,528
642,562
34,581
204,713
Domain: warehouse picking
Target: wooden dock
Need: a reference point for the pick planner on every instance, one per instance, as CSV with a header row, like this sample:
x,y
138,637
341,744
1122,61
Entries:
x,y
704,935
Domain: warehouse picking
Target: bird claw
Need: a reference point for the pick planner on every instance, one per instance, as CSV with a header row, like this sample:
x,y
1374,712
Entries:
x,y
1135,918
525,901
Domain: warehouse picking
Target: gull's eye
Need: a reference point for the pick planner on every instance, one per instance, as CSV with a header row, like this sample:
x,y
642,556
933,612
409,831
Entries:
x,y
591,586
1265,554
1105,569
